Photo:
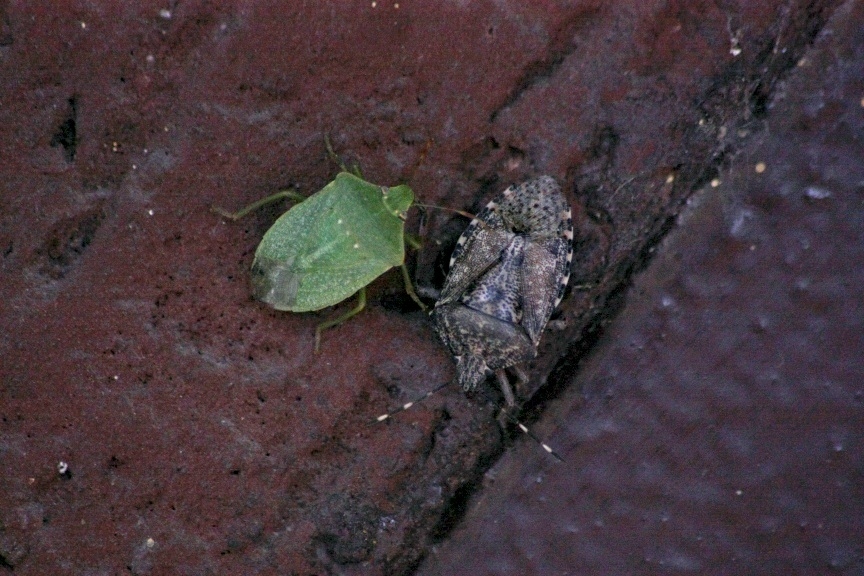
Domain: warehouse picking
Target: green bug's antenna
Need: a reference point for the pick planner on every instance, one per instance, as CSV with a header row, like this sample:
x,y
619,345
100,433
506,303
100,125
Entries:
x,y
454,210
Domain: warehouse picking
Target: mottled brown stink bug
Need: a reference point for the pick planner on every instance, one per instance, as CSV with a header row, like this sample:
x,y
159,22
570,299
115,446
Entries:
x,y
508,272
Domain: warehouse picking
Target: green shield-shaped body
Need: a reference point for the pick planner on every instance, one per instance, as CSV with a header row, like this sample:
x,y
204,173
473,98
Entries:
x,y
329,246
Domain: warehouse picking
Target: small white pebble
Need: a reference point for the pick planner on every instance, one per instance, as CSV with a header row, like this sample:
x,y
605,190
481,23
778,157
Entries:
x,y
817,193
760,167
150,542
62,467
715,182
165,13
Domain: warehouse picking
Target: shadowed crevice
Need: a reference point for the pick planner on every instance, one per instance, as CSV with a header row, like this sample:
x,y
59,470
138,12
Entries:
x,y
66,134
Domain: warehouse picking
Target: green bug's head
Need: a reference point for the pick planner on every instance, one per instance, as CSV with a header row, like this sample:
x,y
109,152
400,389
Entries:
x,y
398,199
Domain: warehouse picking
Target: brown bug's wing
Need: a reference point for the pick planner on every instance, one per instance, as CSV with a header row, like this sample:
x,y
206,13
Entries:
x,y
477,249
549,265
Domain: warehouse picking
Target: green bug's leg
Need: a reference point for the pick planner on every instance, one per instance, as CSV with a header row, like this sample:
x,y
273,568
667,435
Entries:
x,y
409,288
355,170
413,241
255,205
361,303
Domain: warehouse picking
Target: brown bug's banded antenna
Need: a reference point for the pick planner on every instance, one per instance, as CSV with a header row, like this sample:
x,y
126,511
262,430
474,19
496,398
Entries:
x,y
530,434
408,405
440,387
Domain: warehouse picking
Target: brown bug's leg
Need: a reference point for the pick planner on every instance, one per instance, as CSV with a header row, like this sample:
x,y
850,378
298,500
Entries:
x,y
522,377
504,383
509,399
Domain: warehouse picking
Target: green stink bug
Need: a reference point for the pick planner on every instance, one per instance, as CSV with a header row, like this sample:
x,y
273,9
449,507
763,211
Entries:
x,y
331,245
